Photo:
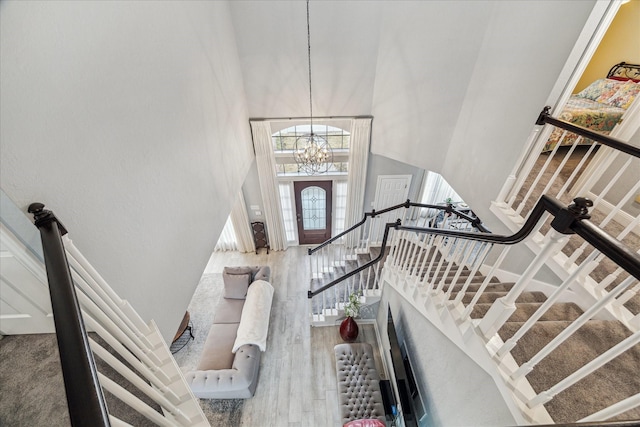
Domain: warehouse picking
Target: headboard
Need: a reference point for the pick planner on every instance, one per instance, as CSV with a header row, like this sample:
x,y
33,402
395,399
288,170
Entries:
x,y
624,71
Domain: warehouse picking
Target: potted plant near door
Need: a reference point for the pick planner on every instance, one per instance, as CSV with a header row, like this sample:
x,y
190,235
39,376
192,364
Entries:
x,y
349,327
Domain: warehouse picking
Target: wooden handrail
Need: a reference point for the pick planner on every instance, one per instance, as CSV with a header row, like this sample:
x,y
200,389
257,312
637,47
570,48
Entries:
x,y
573,219
85,399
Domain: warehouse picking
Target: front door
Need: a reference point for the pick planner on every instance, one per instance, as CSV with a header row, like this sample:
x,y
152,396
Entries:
x,y
313,211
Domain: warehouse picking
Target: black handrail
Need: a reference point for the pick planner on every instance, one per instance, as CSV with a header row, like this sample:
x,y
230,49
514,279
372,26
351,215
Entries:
x,y
568,220
475,221
85,399
545,117
311,294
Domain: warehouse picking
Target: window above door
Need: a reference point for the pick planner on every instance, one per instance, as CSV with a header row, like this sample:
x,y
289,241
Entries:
x,y
284,144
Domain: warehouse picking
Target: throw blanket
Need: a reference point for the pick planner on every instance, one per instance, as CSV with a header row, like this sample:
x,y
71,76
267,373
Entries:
x,y
254,323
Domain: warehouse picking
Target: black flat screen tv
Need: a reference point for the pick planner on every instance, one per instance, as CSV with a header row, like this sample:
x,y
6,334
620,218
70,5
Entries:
x,y
405,381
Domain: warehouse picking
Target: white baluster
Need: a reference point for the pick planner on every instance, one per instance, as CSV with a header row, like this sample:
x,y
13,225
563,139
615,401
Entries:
x,y
467,311
99,285
140,384
504,307
576,169
540,174
116,327
128,350
477,262
116,315
526,161
132,401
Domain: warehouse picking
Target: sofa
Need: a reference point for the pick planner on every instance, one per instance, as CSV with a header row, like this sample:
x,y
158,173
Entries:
x,y
230,361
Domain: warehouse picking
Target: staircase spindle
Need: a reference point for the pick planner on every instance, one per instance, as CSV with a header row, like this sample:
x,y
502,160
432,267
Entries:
x,y
576,170
504,307
95,281
133,402
544,168
140,384
496,265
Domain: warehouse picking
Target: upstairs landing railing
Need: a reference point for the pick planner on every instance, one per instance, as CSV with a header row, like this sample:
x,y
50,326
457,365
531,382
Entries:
x,y
569,160
80,295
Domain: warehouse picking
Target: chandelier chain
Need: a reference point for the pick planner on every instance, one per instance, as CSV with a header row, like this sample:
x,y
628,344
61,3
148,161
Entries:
x,y
309,57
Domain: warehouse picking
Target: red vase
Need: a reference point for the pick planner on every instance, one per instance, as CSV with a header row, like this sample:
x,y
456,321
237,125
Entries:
x,y
349,329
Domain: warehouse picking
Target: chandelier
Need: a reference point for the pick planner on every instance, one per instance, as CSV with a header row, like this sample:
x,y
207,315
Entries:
x,y
312,152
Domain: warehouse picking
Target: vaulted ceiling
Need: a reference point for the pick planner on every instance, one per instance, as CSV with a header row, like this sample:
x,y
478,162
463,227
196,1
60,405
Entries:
x,y
428,71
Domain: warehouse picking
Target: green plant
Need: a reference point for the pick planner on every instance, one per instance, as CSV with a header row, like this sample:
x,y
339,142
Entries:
x,y
352,307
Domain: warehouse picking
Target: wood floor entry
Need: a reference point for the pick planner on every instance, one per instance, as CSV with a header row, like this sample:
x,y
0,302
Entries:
x,y
313,211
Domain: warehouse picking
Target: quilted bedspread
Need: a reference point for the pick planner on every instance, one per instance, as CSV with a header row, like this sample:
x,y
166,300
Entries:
x,y
584,112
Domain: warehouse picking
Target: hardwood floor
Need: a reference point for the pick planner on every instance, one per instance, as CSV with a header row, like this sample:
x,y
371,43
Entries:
x,y
297,384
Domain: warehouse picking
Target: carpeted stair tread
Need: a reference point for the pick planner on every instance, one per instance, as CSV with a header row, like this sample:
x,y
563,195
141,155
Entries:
x,y
558,311
491,287
490,297
615,381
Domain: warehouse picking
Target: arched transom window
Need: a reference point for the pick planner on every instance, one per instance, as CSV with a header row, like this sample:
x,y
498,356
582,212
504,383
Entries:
x,y
284,143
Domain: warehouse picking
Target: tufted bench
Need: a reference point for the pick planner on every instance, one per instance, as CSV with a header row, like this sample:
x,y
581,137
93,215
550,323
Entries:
x,y
358,383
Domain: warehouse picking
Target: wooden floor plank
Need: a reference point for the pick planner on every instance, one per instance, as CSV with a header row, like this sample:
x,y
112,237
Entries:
x,y
297,384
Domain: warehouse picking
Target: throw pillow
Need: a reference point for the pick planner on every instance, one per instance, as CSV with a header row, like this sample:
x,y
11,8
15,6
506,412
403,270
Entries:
x,y
237,270
236,285
625,95
600,87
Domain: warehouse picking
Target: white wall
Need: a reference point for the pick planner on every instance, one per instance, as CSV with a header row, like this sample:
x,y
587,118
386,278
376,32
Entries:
x,y
455,390
129,121
486,69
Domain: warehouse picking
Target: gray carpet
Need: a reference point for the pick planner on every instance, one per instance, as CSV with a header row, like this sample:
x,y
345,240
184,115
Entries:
x,y
613,382
32,390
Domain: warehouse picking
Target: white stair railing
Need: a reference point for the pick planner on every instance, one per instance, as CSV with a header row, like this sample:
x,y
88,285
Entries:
x,y
361,243
137,351
597,167
437,270
155,372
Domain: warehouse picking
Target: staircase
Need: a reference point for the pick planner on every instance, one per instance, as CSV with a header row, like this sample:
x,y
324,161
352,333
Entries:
x,y
559,360
558,353
328,308
614,382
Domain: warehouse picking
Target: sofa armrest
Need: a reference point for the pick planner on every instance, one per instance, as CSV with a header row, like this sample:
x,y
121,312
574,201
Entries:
x,y
203,382
239,382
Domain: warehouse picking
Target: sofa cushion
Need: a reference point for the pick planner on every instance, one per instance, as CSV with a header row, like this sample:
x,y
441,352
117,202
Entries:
x,y
228,311
216,353
236,285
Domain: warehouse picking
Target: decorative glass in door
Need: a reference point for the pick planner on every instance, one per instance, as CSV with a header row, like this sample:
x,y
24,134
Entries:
x,y
314,208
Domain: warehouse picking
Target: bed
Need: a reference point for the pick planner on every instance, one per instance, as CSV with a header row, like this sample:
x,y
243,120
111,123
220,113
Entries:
x,y
599,106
